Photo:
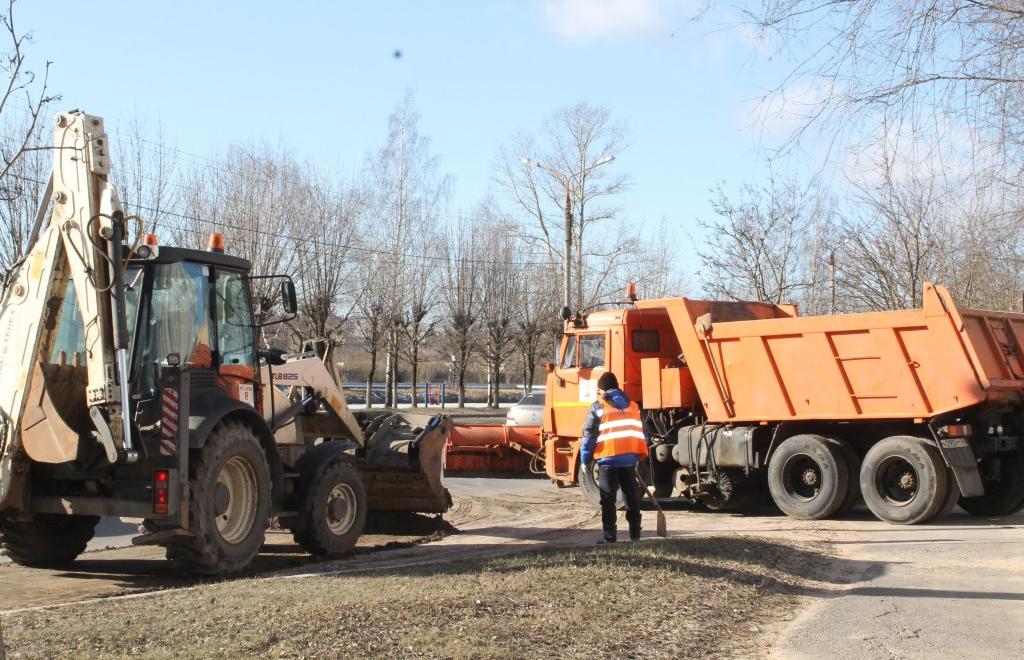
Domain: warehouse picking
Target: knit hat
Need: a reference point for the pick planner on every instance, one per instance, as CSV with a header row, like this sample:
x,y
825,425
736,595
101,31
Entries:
x,y
607,381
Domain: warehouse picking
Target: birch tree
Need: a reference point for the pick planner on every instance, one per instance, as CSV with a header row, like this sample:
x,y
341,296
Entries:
x,y
409,194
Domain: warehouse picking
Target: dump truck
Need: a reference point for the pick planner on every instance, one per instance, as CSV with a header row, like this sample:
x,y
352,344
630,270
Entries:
x,y
132,385
911,410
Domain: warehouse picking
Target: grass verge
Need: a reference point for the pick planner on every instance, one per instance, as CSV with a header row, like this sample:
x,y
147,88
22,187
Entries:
x,y
690,597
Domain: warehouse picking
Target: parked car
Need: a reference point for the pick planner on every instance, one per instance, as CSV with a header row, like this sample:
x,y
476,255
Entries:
x,y
528,412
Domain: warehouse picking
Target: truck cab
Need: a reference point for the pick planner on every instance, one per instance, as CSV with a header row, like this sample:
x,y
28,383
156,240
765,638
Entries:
x,y
629,342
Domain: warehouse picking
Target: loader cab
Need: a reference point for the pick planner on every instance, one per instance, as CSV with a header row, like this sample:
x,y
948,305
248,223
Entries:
x,y
193,307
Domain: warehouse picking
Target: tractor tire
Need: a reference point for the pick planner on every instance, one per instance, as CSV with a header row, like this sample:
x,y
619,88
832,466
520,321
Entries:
x,y
229,508
587,479
49,540
1003,496
808,477
332,510
734,492
904,480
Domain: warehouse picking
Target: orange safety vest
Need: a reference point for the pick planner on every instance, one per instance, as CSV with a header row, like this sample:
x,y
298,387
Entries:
x,y
621,432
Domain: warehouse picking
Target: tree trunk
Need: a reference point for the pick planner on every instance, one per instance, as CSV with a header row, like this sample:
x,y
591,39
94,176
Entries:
x,y
462,384
415,371
495,374
369,377
388,375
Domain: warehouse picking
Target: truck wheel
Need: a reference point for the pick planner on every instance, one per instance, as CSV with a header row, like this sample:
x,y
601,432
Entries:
x,y
904,480
852,461
332,511
952,494
1004,495
587,479
734,492
229,506
808,477
49,540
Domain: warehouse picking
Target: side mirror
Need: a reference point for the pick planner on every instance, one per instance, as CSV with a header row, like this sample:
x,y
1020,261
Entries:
x,y
288,297
566,313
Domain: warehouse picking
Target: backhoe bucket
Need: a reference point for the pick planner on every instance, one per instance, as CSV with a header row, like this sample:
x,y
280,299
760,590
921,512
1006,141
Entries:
x,y
404,457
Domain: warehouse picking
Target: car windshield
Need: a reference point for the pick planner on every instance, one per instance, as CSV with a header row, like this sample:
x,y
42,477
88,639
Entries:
x,y
534,399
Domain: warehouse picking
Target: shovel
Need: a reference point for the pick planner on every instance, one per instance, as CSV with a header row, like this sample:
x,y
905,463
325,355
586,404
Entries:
x,y
662,523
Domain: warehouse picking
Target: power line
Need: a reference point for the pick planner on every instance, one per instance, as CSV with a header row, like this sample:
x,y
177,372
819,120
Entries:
x,y
314,241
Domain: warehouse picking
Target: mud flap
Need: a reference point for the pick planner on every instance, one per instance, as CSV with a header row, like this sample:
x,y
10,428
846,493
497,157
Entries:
x,y
404,460
959,457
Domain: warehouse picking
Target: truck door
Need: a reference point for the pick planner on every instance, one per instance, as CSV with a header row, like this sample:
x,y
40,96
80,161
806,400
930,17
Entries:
x,y
236,341
583,361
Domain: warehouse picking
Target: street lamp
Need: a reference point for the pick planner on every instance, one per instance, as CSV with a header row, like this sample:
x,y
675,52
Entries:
x,y
564,180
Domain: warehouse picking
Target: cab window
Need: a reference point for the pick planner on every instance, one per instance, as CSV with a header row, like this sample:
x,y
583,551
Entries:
x,y
569,357
645,341
177,321
235,340
591,351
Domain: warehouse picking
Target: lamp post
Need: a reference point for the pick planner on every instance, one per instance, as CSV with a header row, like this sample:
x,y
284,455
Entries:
x,y
567,207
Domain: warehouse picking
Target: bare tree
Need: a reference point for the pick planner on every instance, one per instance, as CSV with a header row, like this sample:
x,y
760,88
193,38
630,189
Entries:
x,y
762,245
501,285
21,192
333,221
373,309
905,70
408,195
23,148
23,88
894,239
145,173
418,324
539,324
463,250
255,199
570,149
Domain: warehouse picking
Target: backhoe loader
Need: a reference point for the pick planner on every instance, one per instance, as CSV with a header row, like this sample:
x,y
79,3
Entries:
x,y
131,385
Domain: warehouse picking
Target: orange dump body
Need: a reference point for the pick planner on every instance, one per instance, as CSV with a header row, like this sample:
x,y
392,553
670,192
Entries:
x,y
761,363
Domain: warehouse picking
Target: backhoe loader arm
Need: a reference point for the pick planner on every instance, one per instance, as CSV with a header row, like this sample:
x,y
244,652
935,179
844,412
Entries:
x,y
79,240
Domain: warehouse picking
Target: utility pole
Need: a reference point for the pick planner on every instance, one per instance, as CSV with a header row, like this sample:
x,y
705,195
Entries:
x,y
567,262
832,273
565,180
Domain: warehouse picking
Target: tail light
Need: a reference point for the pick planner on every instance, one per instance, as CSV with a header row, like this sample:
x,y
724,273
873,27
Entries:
x,y
956,430
161,491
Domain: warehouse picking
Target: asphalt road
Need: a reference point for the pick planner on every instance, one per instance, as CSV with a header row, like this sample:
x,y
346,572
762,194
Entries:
x,y
950,589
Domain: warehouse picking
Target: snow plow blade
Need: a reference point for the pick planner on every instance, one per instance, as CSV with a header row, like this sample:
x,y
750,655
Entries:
x,y
404,458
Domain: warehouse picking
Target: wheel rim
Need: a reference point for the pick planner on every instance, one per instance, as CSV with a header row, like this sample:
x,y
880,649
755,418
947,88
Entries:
x,y
802,477
235,500
340,509
897,481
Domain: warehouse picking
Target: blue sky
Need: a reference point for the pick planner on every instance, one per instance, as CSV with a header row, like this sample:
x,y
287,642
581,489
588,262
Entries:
x,y
320,78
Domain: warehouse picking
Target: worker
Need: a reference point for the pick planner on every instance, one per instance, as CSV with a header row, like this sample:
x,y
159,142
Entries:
x,y
613,435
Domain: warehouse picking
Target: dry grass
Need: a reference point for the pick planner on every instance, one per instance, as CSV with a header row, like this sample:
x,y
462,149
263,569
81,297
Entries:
x,y
695,597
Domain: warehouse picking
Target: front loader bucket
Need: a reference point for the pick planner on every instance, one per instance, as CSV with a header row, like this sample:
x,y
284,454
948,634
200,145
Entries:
x,y
404,459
